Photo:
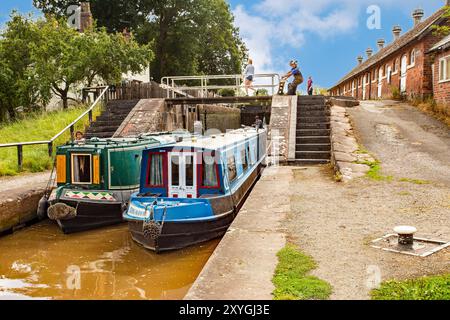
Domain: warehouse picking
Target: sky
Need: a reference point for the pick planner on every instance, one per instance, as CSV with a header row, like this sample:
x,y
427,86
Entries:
x,y
325,36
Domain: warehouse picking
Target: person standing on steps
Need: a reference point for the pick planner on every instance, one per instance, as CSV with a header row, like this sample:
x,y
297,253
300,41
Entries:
x,y
249,76
310,86
298,77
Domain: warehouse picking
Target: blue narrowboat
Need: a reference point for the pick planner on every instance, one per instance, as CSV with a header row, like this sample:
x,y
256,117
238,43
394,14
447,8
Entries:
x,y
95,179
191,191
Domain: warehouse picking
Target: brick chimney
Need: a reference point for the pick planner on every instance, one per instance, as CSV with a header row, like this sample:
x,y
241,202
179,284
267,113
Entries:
x,y
418,15
86,19
397,31
369,52
381,43
360,59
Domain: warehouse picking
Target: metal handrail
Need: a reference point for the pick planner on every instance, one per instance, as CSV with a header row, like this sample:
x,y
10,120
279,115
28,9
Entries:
x,y
169,83
50,142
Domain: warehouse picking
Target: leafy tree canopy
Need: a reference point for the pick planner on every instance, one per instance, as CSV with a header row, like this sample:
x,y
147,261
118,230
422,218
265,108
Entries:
x,y
45,57
188,36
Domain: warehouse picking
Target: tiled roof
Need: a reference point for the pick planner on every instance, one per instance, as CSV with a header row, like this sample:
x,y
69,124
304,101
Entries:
x,y
443,44
404,40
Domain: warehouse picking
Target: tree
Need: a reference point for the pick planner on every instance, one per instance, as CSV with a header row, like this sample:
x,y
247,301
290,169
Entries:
x,y
67,58
443,30
46,57
189,37
114,15
19,86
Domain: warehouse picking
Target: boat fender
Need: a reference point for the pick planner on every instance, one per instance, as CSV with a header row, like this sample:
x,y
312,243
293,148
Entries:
x,y
61,211
151,229
42,208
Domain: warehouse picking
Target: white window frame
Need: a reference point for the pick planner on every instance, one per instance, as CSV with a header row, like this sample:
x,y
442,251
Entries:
x,y
446,60
72,156
413,53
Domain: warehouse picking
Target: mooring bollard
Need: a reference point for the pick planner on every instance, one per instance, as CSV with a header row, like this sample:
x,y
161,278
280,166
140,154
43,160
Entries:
x,y
405,235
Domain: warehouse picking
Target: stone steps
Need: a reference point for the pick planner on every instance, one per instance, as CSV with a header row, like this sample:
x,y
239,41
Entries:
x,y
313,155
313,144
313,132
312,113
303,119
313,140
308,162
323,125
326,147
111,119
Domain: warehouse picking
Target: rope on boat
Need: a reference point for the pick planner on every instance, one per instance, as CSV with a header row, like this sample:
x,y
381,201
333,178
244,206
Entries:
x,y
151,228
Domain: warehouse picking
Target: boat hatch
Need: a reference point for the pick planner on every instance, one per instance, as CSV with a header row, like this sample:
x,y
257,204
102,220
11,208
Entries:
x,y
182,175
81,168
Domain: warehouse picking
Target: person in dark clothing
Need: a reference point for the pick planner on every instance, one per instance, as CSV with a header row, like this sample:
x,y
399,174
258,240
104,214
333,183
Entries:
x,y
258,123
310,86
298,77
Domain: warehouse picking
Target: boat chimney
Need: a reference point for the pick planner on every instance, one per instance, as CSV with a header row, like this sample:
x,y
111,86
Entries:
x,y
369,52
381,43
397,31
418,15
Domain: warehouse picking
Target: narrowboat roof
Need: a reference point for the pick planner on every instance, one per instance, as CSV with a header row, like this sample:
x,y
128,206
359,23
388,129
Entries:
x,y
215,142
149,138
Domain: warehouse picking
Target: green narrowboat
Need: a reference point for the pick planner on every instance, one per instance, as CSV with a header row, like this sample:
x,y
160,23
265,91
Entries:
x,y
95,179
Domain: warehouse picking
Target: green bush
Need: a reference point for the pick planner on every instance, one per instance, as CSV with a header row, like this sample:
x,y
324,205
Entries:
x,y
227,92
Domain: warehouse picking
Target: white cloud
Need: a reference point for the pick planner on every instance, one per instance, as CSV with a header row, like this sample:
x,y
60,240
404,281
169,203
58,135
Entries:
x,y
268,26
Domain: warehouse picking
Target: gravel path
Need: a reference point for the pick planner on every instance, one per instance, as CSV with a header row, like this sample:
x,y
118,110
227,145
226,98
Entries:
x,y
335,222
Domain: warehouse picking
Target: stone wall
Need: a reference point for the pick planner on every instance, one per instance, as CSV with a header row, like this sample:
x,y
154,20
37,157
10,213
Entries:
x,y
153,115
17,209
283,115
219,117
347,161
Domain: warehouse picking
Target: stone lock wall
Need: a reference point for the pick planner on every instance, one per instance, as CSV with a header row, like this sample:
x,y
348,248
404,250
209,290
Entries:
x,y
154,115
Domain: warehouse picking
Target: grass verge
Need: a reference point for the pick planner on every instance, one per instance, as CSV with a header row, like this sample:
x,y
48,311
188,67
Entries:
x,y
36,127
291,278
426,288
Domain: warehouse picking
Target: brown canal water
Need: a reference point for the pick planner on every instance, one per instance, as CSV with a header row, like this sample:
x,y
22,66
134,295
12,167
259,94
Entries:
x,y
40,262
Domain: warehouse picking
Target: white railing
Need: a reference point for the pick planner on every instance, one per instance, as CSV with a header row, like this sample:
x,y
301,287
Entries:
x,y
180,84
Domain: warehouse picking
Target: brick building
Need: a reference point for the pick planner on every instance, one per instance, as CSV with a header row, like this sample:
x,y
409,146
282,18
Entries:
x,y
405,66
440,54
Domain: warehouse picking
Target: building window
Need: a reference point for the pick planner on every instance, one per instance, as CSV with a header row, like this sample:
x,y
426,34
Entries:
x,y
394,65
444,69
412,59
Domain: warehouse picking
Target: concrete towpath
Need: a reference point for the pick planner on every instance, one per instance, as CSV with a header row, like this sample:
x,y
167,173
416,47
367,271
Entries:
x,y
243,264
26,181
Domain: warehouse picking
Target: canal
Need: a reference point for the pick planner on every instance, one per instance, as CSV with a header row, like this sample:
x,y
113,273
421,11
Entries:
x,y
40,262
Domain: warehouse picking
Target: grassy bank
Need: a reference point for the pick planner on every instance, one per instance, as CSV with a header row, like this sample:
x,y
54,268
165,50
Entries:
x,y
426,288
35,127
291,278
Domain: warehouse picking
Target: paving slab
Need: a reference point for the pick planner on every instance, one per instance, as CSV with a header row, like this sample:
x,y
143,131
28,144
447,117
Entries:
x,y
243,264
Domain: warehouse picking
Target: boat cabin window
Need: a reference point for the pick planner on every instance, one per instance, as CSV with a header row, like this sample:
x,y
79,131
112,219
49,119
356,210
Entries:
x,y
231,164
190,171
155,175
175,170
209,171
244,159
81,169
